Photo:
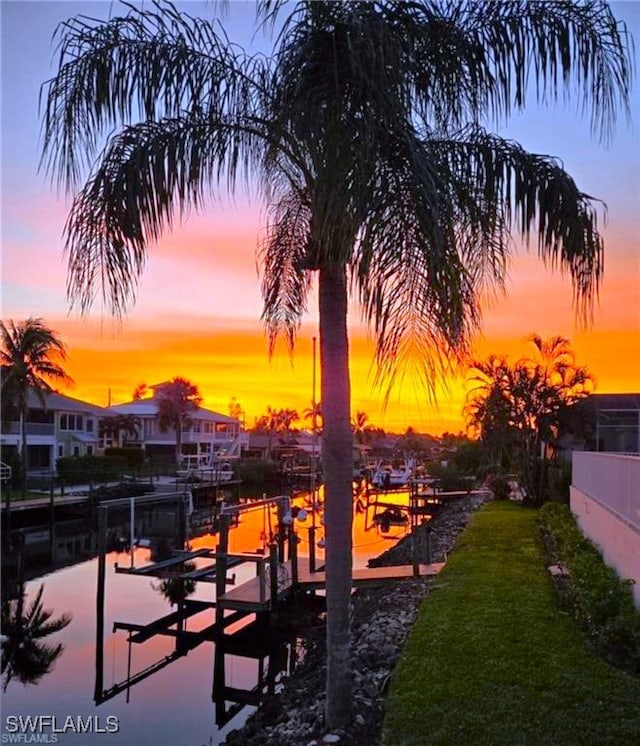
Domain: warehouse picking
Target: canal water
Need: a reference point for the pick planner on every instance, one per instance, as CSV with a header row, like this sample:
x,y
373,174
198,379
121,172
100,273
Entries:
x,y
114,692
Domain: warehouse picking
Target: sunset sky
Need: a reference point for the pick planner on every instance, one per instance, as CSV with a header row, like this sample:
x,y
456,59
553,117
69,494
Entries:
x,y
198,308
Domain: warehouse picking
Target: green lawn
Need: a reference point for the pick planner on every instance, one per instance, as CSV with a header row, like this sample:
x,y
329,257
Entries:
x,y
491,660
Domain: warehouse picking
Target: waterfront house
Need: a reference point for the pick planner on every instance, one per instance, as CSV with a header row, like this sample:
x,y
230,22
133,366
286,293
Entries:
x,y
56,426
208,434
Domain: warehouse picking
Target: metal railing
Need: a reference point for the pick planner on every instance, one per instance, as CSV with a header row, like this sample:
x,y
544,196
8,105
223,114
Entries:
x,y
32,428
5,472
613,480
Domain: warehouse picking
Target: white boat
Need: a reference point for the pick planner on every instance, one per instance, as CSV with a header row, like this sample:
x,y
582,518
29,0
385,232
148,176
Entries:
x,y
393,473
205,468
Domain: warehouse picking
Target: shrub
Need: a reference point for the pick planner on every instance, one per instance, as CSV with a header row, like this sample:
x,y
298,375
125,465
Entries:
x,y
600,602
124,489
257,471
500,487
81,469
133,456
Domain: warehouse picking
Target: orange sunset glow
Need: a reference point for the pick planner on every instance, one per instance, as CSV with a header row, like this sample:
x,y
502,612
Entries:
x,y
228,357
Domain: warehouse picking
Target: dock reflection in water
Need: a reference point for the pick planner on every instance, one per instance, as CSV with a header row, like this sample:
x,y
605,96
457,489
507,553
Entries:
x,y
154,659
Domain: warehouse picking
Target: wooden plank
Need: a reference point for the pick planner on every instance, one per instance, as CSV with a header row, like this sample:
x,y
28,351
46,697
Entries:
x,y
211,569
247,595
153,568
369,575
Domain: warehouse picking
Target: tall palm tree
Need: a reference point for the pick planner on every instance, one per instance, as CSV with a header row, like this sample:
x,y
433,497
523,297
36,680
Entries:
x,y
364,132
28,358
24,626
360,426
177,400
313,413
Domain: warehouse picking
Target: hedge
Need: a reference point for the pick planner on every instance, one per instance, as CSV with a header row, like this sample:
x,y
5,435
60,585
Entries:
x,y
600,601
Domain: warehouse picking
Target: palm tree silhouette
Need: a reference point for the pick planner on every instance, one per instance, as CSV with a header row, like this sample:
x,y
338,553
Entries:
x,y
25,655
177,401
28,353
363,133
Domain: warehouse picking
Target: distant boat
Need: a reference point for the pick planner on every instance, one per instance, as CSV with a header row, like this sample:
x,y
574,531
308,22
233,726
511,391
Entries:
x,y
394,473
203,468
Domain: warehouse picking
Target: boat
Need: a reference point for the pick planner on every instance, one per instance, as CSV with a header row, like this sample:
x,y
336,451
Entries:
x,y
393,473
392,516
203,467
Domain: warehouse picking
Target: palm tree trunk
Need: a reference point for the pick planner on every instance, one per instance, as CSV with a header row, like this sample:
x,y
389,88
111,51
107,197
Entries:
x,y
24,464
337,448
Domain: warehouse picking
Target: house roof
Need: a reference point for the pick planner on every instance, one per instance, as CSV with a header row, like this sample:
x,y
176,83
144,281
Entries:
x,y
60,402
149,408
615,401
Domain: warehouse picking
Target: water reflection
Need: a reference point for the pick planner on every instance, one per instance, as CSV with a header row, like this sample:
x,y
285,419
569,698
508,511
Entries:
x,y
276,657
147,646
26,654
173,587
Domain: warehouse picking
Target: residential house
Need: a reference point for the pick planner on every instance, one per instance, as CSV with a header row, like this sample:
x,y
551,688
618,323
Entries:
x,y
604,422
616,426
208,434
56,426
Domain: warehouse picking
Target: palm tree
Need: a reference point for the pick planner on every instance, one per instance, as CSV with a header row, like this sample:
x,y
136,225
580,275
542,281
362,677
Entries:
x,y
276,421
314,414
521,409
363,132
27,356
140,392
114,426
286,418
360,426
24,654
177,400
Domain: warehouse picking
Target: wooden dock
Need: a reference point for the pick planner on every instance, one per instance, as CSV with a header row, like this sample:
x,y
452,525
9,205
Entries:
x,y
170,568
255,595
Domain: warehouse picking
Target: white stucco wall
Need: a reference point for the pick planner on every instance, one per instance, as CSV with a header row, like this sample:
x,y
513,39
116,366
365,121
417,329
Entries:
x,y
617,539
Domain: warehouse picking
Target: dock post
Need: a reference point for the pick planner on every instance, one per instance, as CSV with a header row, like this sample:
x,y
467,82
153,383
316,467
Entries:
x,y
282,534
52,522
221,568
312,549
273,575
414,553
428,530
102,542
293,555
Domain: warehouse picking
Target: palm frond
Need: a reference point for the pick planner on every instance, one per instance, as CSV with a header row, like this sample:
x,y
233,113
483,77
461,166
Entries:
x,y
284,253
147,174
569,48
151,64
529,193
412,285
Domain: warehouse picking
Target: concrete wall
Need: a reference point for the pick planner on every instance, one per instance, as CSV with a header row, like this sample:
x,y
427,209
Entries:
x,y
605,499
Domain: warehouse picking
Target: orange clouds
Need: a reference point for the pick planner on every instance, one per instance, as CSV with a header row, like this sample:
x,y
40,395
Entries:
x,y
198,315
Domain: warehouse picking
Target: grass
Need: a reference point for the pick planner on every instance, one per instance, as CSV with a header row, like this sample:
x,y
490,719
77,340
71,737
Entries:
x,y
492,660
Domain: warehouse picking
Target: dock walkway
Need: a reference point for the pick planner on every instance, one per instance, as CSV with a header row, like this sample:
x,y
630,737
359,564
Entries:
x,y
256,596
